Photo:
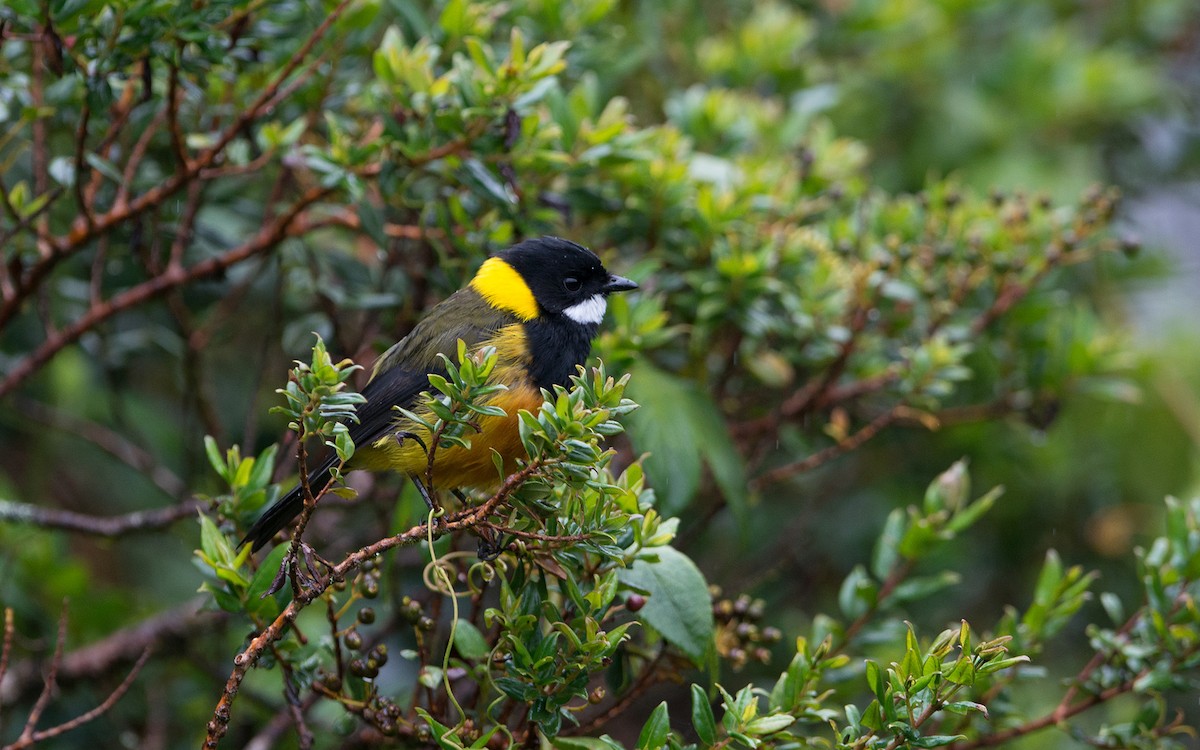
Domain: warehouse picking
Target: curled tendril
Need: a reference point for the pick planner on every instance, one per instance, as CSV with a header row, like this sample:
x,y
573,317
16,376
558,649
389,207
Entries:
x,y
434,583
482,573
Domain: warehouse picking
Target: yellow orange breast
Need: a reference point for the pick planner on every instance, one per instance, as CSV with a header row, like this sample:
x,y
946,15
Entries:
x,y
462,467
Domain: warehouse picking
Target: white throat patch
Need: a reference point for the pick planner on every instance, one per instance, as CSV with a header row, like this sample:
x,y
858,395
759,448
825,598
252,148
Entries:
x,y
588,312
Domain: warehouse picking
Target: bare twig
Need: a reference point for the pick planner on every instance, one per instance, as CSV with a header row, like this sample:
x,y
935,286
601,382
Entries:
x,y
850,443
167,630
279,724
6,649
109,441
49,683
40,153
289,224
173,128
116,695
464,519
85,229
102,526
644,682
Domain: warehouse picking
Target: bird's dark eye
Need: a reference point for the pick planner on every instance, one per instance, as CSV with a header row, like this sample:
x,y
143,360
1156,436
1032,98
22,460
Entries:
x,y
572,284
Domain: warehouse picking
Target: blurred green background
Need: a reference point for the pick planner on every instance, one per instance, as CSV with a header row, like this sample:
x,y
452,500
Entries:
x,y
1021,97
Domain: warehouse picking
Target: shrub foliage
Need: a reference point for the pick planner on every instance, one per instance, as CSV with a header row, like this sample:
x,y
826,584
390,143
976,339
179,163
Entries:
x,y
187,192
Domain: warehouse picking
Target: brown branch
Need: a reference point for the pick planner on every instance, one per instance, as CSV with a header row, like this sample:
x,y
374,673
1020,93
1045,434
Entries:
x,y
1048,720
811,392
1011,294
268,737
464,519
108,527
6,649
850,443
288,225
644,682
895,577
49,683
535,536
173,128
166,631
109,441
87,716
347,217
40,153
84,230
84,205
136,154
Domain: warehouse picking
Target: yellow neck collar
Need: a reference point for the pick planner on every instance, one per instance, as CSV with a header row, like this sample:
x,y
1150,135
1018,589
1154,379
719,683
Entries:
x,y
502,287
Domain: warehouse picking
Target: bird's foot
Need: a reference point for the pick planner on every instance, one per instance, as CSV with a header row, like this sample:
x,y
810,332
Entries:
x,y
490,544
304,579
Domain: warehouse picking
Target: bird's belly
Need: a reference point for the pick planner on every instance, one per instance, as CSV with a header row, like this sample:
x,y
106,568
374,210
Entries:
x,y
456,466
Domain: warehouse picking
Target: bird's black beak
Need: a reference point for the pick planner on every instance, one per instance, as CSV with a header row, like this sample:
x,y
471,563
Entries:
x,y
618,284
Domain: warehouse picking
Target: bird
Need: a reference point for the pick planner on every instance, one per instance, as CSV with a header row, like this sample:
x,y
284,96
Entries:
x,y
539,303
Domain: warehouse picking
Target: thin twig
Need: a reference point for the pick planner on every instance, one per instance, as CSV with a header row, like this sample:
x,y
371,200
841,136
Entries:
x,y
464,519
290,224
111,442
85,230
81,132
644,682
168,631
6,649
49,682
848,444
103,526
91,715
40,153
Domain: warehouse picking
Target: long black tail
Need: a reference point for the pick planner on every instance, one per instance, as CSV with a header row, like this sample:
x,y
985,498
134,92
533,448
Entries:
x,y
283,511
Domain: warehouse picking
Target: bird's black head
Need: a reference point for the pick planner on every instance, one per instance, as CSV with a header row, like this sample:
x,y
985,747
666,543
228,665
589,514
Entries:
x,y
565,278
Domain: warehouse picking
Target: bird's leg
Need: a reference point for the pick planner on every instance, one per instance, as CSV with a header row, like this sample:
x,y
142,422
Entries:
x,y
424,492
490,544
303,579
403,435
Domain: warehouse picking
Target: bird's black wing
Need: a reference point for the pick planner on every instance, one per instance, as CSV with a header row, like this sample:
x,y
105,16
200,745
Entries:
x,y
396,386
400,375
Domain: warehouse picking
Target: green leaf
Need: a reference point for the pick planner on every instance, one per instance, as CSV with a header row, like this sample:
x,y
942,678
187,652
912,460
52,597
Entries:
x,y
585,743
770,724
516,689
857,594
703,720
1048,579
213,543
999,664
683,430
886,554
937,740
965,707
875,680
470,642
920,588
679,606
499,192
215,459
973,512
654,733
271,606
104,167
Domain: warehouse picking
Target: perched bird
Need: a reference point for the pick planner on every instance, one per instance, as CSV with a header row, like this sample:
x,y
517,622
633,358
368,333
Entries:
x,y
539,303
